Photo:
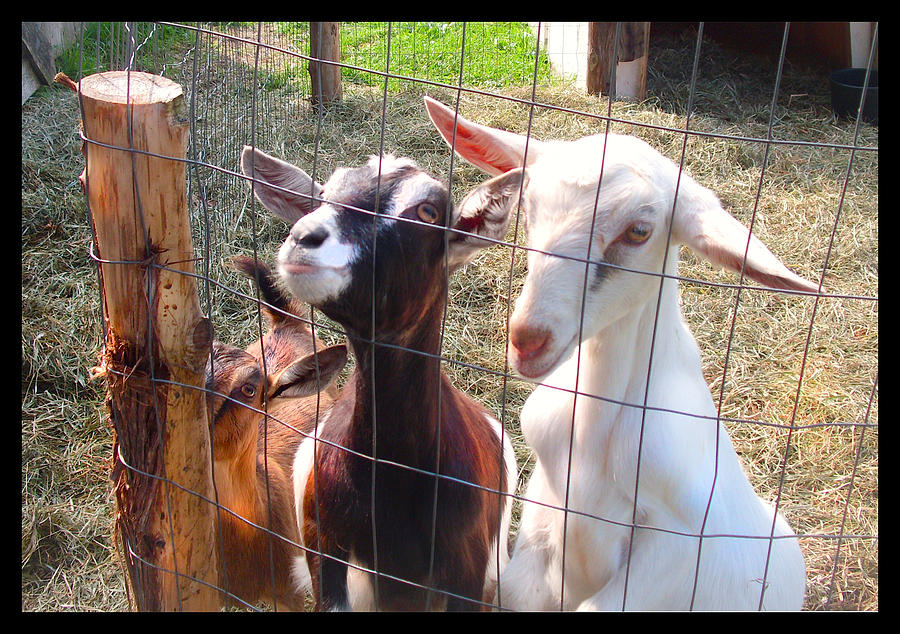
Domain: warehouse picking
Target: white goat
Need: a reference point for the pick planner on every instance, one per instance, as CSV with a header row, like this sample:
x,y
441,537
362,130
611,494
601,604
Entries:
x,y
651,467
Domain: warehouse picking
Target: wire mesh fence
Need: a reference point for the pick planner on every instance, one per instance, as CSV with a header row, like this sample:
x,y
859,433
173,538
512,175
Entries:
x,y
794,379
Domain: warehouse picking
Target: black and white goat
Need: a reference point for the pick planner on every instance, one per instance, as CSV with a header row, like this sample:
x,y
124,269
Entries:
x,y
373,250
642,459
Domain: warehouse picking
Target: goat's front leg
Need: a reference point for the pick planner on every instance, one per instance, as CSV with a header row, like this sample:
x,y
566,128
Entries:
x,y
328,576
659,576
327,567
532,578
468,590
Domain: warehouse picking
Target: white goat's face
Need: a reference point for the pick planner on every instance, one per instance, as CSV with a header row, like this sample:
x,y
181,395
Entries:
x,y
592,258
627,235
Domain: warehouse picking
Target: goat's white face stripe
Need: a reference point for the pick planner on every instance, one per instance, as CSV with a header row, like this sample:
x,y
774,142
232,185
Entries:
x,y
388,164
332,253
410,191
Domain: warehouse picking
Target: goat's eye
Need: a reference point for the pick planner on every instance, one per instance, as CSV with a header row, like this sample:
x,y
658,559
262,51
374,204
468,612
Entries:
x,y
638,233
248,390
427,213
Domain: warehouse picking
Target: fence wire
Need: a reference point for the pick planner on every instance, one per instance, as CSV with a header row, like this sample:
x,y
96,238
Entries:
x,y
249,85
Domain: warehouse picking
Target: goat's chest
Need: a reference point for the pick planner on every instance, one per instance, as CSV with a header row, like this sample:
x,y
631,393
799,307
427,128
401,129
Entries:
x,y
583,440
547,423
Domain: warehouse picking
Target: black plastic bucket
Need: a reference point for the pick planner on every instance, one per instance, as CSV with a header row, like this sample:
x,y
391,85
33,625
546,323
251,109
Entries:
x,y
846,92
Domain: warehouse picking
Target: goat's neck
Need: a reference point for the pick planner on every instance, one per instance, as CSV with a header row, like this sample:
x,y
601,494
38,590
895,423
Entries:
x,y
236,483
615,362
397,385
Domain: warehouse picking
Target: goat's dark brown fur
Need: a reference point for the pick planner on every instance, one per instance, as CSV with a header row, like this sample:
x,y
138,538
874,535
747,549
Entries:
x,y
408,527
406,477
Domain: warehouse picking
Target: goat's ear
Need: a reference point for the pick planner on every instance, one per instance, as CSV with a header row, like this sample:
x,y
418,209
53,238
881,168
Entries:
x,y
309,374
485,212
293,199
492,150
702,224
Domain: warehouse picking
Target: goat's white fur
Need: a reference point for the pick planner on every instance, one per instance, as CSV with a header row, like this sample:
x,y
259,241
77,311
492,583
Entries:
x,y
676,447
328,273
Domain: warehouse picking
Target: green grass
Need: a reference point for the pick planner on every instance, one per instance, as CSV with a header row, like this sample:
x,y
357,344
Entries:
x,y
495,53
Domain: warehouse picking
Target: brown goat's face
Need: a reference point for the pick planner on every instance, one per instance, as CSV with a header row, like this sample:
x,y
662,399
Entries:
x,y
236,388
239,391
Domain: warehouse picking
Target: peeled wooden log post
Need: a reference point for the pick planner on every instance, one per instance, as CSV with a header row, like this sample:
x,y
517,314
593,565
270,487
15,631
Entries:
x,y
157,339
325,44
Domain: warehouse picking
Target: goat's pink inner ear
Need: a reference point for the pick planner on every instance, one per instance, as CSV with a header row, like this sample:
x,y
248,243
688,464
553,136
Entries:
x,y
476,147
493,151
480,154
480,148
471,224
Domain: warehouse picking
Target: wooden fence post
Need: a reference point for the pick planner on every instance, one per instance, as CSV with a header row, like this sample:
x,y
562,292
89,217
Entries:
x,y
157,339
630,59
325,44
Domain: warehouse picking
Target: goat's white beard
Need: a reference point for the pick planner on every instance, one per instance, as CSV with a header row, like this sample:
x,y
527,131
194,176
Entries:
x,y
313,285
315,275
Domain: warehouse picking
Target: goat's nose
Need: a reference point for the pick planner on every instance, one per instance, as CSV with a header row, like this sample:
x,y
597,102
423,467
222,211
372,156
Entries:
x,y
309,238
529,341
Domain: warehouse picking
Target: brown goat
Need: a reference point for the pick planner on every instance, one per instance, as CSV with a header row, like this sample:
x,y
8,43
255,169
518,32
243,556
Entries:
x,y
254,452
